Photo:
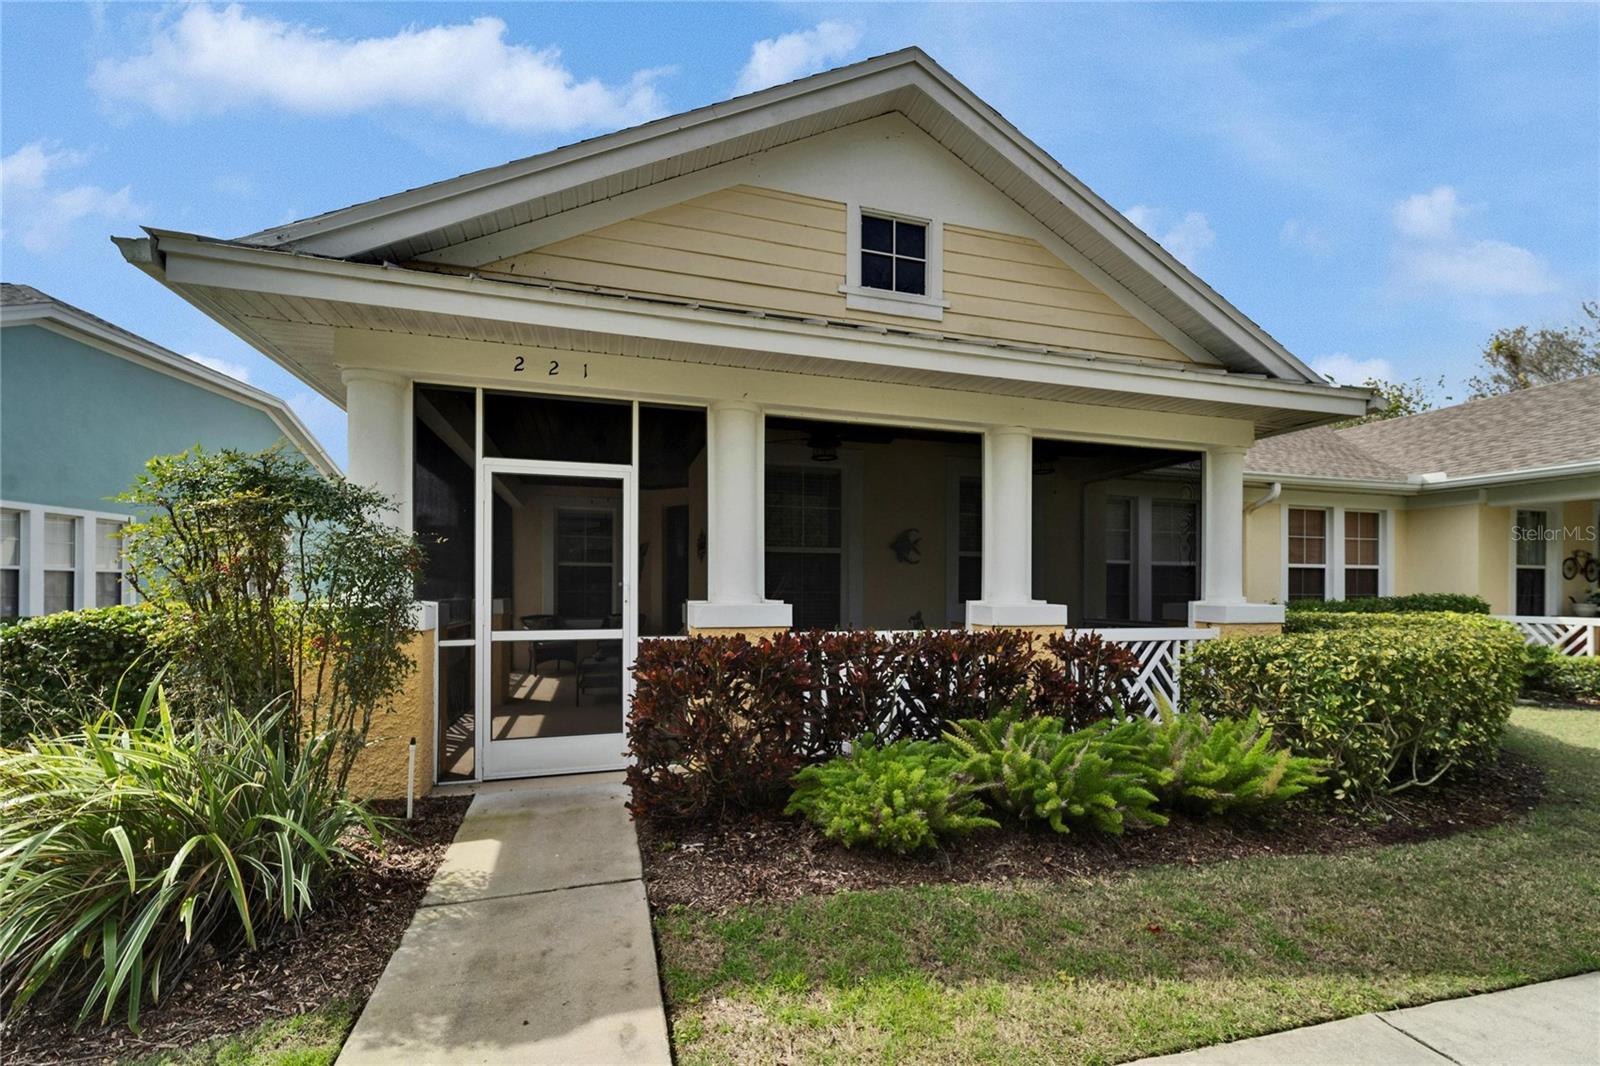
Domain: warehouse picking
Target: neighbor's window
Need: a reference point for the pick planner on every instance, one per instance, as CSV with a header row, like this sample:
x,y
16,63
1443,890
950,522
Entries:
x,y
1119,557
107,563
805,554
10,564
584,554
1361,554
1531,546
60,562
1308,554
1174,557
969,546
894,254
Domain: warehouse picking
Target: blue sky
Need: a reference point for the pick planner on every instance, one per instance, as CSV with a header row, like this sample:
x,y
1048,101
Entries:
x,y
1379,186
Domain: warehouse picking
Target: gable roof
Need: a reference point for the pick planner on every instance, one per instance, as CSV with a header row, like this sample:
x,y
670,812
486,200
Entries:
x,y
25,305
423,221
1531,429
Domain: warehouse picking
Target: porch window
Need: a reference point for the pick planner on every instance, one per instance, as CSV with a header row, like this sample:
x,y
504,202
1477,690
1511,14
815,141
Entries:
x,y
1308,554
894,255
1119,557
60,563
585,564
1361,554
1174,557
969,540
1532,559
805,556
10,564
107,563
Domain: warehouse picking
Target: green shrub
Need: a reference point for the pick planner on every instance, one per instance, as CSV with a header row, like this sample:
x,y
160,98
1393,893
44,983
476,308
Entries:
x,y
1549,674
1387,706
60,670
126,853
1036,769
1454,602
903,796
1321,621
1222,766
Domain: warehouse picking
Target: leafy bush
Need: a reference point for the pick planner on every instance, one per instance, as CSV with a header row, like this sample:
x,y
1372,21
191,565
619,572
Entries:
x,y
1455,602
1320,621
1085,678
128,852
64,669
904,796
723,723
1037,768
1386,705
290,586
1222,766
1550,674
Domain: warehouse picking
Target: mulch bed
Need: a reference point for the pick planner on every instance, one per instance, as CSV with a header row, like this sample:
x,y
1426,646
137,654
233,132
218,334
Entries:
x,y
337,954
716,867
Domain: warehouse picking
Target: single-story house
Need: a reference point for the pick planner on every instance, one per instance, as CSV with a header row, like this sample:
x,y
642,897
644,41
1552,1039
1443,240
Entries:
x,y
1497,497
847,352
83,405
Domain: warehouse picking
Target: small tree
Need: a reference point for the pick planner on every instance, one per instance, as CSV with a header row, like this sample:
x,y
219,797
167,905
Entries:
x,y
1396,399
289,587
1521,358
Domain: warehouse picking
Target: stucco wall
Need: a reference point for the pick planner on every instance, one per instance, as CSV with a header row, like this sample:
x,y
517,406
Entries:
x,y
78,424
1580,517
380,770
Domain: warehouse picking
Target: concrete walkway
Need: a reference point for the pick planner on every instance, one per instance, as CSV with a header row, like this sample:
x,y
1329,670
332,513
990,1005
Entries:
x,y
1556,1023
532,945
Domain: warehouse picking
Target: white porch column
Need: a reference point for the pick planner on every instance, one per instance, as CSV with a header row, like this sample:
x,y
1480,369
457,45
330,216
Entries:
x,y
1008,536
378,414
1222,546
734,548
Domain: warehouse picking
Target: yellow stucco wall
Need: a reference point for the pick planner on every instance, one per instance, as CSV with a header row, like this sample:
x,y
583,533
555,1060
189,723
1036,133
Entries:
x,y
380,770
1580,518
1263,552
765,248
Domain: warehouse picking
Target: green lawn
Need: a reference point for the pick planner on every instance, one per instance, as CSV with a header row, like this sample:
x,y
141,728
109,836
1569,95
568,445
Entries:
x,y
302,1040
1155,960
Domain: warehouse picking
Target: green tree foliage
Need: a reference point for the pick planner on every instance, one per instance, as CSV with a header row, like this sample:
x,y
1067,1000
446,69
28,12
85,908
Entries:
x,y
903,796
1223,766
287,586
1036,769
1520,357
1396,399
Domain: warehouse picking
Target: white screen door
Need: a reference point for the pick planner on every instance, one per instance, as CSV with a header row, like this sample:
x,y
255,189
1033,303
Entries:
x,y
558,549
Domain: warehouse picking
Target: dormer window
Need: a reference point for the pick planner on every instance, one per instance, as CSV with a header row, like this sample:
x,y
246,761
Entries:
x,y
894,255
894,264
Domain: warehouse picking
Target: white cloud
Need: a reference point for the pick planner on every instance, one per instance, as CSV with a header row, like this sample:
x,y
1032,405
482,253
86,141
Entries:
x,y
237,371
1352,370
1185,239
207,60
1433,255
794,55
48,209
1301,234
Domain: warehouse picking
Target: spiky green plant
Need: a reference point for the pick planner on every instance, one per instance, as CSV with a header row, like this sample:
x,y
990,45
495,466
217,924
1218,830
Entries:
x,y
1037,769
1223,766
128,847
902,796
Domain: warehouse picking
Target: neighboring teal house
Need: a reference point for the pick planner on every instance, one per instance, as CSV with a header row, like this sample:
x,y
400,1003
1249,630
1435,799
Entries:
x,y
83,405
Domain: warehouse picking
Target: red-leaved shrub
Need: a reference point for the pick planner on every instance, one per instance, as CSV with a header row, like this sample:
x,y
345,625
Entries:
x,y
1085,678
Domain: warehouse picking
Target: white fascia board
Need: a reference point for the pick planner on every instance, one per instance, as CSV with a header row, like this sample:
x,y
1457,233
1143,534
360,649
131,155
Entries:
x,y
67,321
193,261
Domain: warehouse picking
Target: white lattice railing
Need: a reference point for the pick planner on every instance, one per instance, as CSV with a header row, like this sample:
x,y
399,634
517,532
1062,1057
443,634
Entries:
x,y
1568,635
1158,650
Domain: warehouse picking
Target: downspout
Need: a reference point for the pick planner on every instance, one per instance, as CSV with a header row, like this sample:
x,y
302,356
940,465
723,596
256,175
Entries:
x,y
1273,492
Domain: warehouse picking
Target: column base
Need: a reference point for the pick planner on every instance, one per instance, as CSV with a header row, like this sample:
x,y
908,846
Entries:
x,y
740,617
1232,614
1025,614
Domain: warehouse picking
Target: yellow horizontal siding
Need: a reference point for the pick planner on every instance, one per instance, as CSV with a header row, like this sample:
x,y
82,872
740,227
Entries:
x,y
774,250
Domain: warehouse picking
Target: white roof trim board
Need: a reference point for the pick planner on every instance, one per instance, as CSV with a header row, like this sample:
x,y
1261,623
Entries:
x,y
417,222
114,340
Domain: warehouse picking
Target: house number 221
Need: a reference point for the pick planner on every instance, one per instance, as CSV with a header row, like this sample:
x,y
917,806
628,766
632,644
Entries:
x,y
521,367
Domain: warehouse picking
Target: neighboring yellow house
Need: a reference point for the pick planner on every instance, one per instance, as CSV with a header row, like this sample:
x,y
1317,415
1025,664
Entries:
x,y
1499,498
848,352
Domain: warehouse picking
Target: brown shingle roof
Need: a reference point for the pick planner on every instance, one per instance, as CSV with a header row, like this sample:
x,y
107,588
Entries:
x,y
1544,426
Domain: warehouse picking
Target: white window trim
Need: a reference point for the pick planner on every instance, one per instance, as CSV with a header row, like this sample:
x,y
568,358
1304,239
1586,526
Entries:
x,y
95,569
30,591
1554,550
930,305
956,470
851,578
1333,556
